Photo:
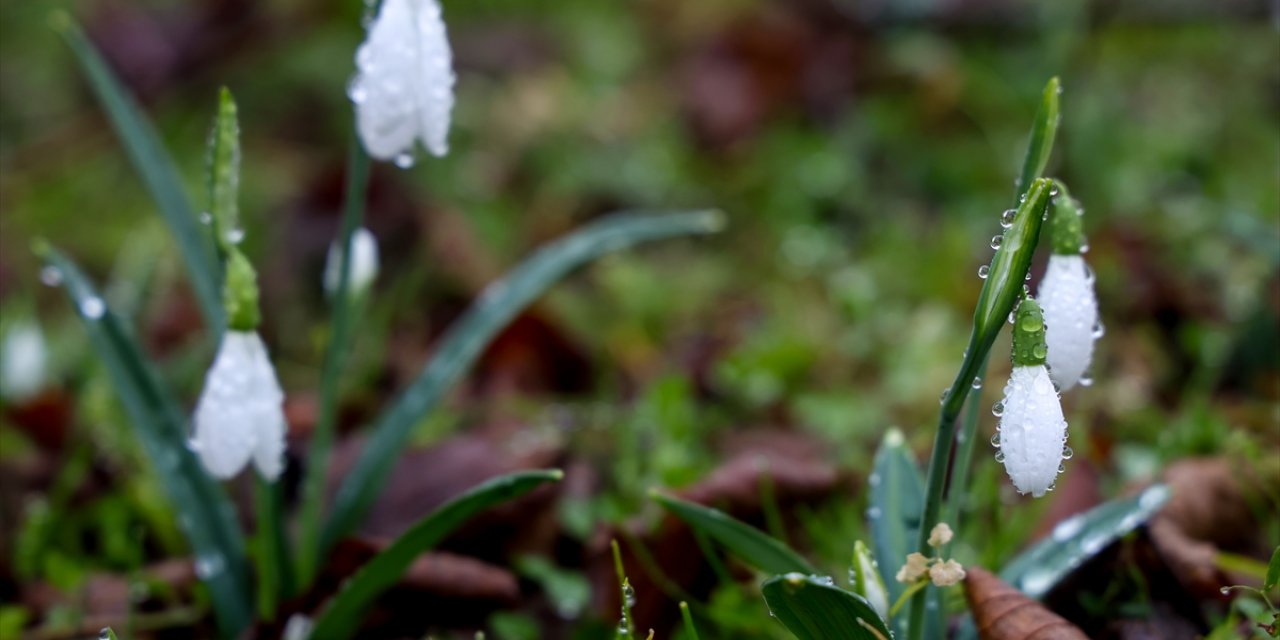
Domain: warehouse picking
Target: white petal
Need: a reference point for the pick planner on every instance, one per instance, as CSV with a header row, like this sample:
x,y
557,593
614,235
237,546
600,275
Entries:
x,y
23,362
240,415
403,89
1033,432
364,263
1070,313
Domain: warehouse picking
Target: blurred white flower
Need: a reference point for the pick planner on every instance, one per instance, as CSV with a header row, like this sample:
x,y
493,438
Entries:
x,y
1033,432
1071,318
23,362
403,87
240,414
364,263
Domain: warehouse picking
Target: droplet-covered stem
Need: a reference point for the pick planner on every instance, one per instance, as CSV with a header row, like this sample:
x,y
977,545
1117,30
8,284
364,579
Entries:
x,y
1067,224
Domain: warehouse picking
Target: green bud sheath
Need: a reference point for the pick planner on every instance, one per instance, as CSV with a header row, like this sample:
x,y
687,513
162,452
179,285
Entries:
x,y
240,293
223,172
1029,347
1067,223
1009,266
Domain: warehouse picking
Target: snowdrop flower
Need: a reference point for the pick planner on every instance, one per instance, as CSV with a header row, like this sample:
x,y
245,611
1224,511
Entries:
x,y
1070,305
1033,432
364,264
403,87
23,362
240,414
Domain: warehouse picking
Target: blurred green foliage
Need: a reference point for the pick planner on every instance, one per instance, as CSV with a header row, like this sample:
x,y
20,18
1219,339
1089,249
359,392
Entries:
x,y
838,302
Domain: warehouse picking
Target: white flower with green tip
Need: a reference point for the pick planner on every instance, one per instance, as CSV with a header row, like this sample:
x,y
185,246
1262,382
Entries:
x,y
1033,432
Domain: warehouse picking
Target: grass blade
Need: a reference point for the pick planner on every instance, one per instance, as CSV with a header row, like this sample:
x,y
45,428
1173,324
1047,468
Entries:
x,y
271,547
334,362
750,544
343,615
812,609
203,510
1076,539
690,630
462,344
155,167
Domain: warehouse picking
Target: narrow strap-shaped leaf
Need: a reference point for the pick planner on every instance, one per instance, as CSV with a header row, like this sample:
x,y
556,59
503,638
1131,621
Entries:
x,y
1078,538
343,615
497,305
1043,131
272,550
335,354
154,166
813,609
897,496
203,511
752,545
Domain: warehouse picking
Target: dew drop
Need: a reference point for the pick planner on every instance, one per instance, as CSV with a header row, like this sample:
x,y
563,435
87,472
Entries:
x,y
873,513
943,398
404,160
1099,330
1039,351
356,91
235,236
209,566
997,409
1062,467
995,439
1084,248
92,308
1031,324
1006,218
1053,191
977,382
996,241
1027,277
1000,456
1225,590
1022,198
51,276
1067,453
983,271
629,595
1085,381
105,634
1011,317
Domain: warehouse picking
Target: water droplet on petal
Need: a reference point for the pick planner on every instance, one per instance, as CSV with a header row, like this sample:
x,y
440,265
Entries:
x,y
1085,381
1039,351
983,271
995,439
997,409
1099,330
1067,453
999,456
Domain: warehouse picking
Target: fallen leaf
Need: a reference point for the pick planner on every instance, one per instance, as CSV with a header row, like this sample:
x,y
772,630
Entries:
x,y
1001,612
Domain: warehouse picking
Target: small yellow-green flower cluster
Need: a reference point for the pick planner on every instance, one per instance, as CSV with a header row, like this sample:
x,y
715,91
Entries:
x,y
942,573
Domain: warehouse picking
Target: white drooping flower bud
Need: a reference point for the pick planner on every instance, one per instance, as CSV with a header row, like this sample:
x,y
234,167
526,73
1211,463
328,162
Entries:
x,y
403,87
240,414
23,362
1071,318
364,263
1033,431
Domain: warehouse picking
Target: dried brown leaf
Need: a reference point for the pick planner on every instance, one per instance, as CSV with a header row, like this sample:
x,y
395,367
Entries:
x,y
1003,613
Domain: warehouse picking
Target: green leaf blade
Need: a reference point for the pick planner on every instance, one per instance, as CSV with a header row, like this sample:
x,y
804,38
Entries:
x,y
812,609
154,167
1043,132
342,616
1273,571
750,544
204,512
897,496
466,339
1076,539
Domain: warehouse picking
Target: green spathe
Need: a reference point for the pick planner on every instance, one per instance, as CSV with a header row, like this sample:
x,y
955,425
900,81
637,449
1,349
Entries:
x,y
1067,224
1029,347
240,293
223,177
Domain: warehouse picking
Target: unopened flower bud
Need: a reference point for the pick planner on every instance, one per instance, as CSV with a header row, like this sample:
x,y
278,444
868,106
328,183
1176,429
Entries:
x,y
917,565
240,414
945,574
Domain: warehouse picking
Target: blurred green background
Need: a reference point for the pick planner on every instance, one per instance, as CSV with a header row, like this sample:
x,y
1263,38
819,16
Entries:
x,y
863,152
